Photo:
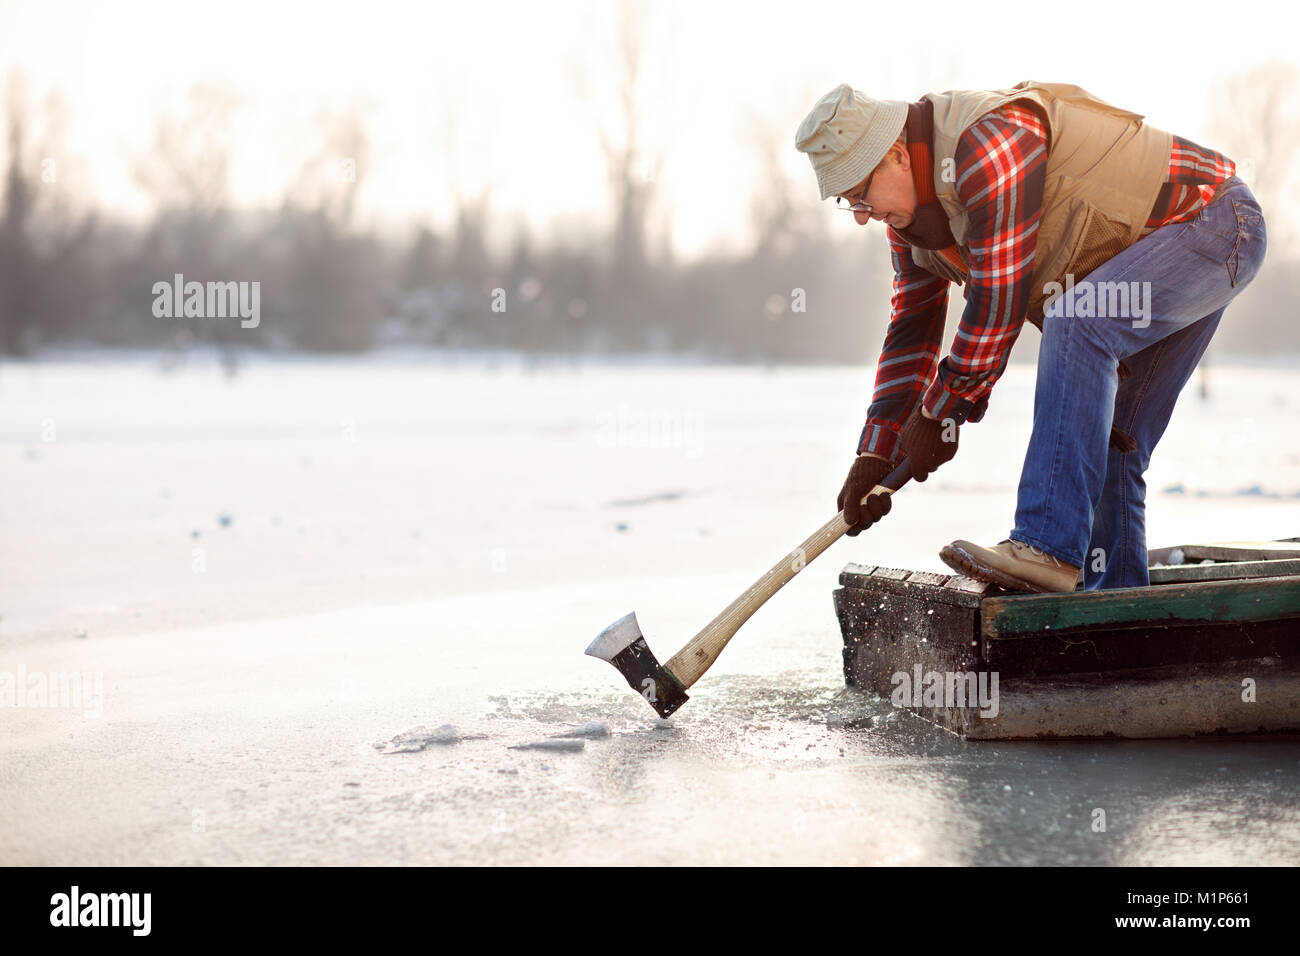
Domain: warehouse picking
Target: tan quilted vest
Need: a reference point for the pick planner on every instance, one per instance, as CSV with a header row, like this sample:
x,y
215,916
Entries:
x,y
1105,168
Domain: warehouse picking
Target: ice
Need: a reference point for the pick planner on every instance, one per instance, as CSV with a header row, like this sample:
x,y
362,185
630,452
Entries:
x,y
593,728
561,744
338,627
417,739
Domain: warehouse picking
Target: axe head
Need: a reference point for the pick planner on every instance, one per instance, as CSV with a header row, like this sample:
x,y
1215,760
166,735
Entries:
x,y
623,646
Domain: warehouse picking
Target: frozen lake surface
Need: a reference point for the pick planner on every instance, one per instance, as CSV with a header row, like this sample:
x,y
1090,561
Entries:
x,y
271,573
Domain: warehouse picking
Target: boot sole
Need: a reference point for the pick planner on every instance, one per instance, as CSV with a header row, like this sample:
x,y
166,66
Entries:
x,y
967,564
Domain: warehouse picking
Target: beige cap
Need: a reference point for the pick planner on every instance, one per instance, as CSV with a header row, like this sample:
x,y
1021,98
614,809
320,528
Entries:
x,y
847,135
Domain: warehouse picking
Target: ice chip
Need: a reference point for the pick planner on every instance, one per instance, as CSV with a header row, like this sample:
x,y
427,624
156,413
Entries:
x,y
594,728
561,744
417,739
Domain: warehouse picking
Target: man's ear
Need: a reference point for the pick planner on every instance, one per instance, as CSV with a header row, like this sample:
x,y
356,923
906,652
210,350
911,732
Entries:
x,y
901,156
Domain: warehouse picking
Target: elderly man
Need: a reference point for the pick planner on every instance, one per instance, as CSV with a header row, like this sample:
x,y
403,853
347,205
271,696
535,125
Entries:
x,y
1121,242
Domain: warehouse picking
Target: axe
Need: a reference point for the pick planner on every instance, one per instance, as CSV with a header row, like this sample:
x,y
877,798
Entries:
x,y
664,685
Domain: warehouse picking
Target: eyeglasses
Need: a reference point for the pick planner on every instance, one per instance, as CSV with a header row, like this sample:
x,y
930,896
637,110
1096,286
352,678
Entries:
x,y
859,206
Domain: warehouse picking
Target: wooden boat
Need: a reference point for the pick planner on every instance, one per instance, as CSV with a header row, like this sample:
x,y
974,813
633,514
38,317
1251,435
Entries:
x,y
1211,647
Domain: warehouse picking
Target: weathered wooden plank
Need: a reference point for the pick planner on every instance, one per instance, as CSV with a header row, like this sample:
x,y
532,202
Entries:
x,y
895,574
1226,551
959,582
874,586
1225,571
1282,544
928,578
886,631
852,575
1030,615
945,588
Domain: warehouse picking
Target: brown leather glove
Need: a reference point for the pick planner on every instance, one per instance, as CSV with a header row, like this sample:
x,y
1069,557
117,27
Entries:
x,y
863,476
922,441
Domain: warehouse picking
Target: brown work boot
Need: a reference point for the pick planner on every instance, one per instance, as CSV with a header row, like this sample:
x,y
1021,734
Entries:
x,y
1012,564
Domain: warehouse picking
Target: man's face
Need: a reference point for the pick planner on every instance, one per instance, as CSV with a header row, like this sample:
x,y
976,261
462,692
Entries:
x,y
892,196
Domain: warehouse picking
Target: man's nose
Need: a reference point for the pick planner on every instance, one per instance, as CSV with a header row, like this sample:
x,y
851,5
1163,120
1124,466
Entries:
x,y
862,218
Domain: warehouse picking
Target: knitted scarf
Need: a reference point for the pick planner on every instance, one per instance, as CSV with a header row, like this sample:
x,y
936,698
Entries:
x,y
929,228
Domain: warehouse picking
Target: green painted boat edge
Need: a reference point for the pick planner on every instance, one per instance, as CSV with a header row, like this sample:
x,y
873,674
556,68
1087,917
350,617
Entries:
x,y
1020,616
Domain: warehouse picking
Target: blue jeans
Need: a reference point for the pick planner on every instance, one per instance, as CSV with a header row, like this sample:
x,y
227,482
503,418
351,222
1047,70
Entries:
x,y
1080,500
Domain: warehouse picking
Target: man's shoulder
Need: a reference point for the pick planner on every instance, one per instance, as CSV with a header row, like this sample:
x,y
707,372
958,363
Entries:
x,y
1007,118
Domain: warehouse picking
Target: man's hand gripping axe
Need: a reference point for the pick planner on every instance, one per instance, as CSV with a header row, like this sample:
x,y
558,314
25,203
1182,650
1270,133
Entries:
x,y
664,685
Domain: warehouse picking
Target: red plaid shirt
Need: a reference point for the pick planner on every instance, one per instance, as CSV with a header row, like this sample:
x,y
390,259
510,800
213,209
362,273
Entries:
x,y
1001,167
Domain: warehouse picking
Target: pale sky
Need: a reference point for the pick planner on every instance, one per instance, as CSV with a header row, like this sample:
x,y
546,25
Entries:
x,y
524,84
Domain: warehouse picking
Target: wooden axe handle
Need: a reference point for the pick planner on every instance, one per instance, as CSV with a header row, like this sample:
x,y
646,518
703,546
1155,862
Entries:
x,y
689,664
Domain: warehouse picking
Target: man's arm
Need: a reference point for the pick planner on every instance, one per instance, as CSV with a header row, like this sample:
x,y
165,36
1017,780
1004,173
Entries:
x,y
1001,167
918,307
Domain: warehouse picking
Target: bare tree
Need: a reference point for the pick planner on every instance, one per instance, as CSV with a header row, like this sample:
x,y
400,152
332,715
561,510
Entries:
x,y
633,68
784,211
43,236
188,165
331,299
16,254
186,172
